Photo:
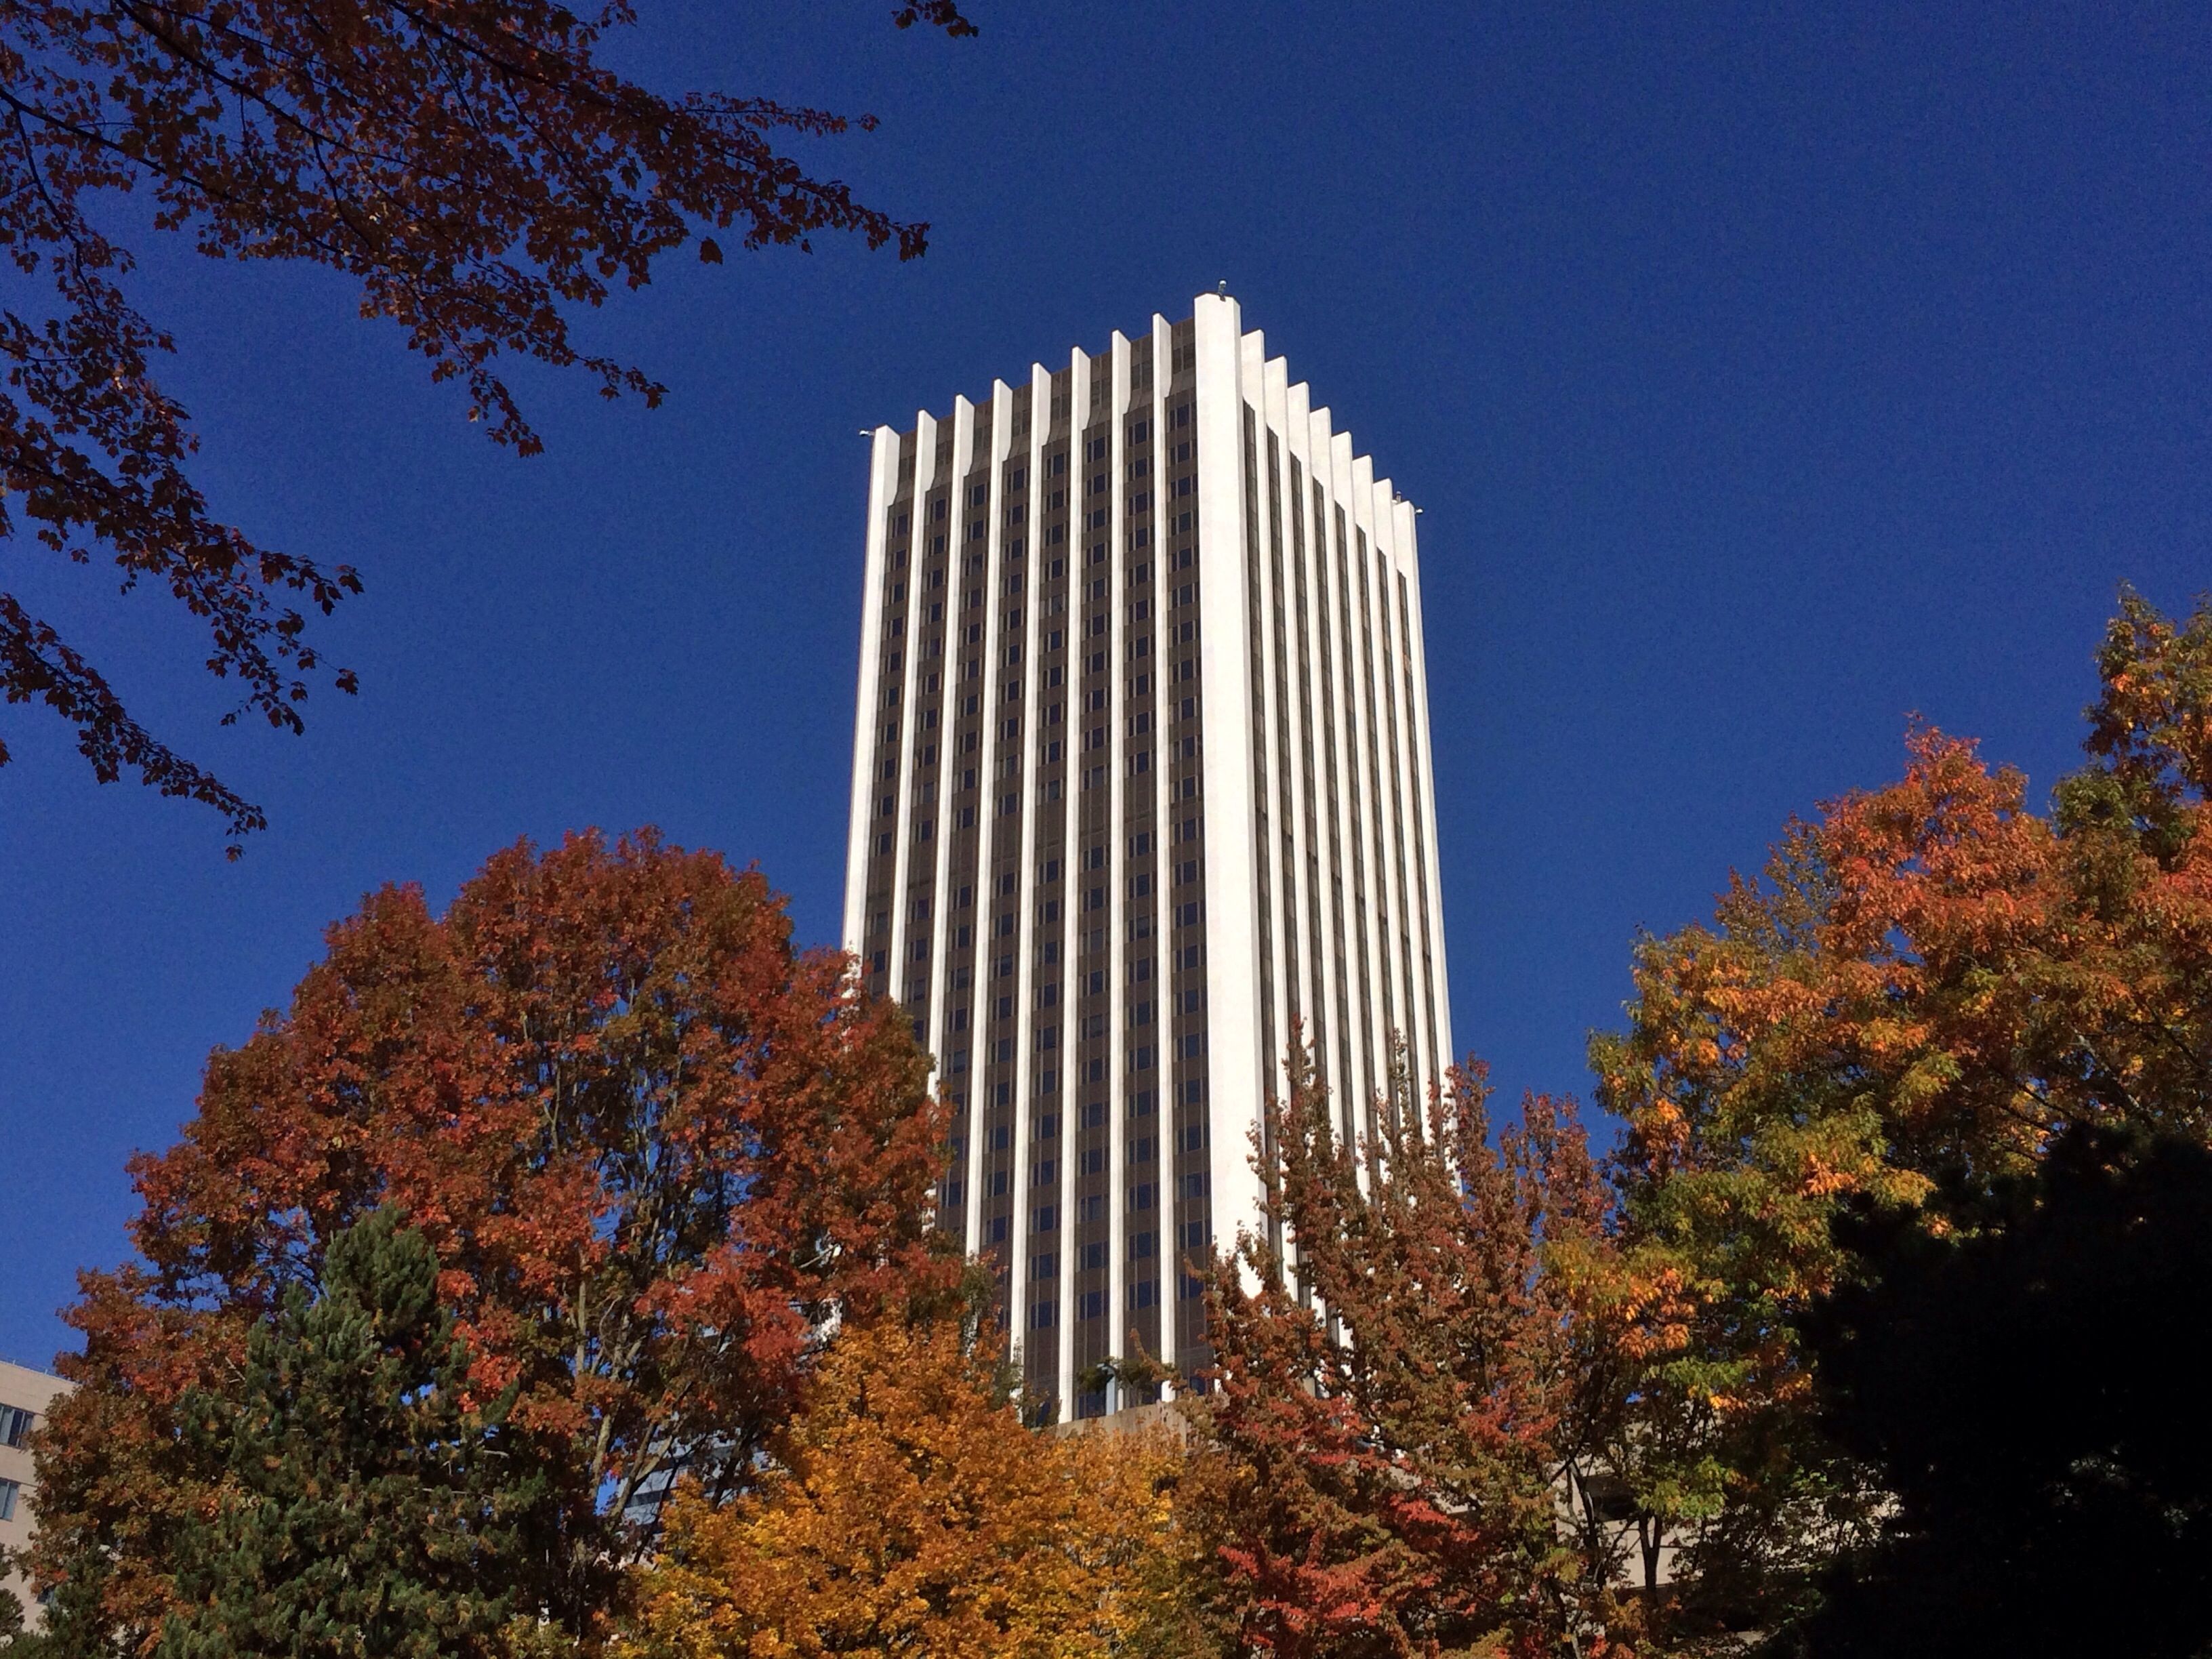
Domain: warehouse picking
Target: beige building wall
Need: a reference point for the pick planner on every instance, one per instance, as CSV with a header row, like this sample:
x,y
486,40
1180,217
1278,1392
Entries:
x,y
24,1396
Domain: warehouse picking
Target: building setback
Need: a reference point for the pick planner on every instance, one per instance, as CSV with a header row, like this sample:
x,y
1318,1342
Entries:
x,y
1140,788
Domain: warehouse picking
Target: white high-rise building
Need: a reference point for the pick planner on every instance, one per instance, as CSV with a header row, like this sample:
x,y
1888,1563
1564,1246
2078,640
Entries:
x,y
1140,788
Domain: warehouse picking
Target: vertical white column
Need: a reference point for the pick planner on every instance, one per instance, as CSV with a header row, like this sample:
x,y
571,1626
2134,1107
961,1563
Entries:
x,y
1343,491
908,804
940,970
1282,906
1337,923
1033,809
1286,416
1343,616
1311,426
1321,440
883,488
1406,950
1082,370
1440,1002
1321,470
1288,508
1282,701
999,640
1377,677
1354,697
1164,1105
1399,738
1237,1070
963,445
1116,761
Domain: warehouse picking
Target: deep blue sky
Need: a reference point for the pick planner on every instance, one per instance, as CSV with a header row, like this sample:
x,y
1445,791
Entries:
x,y
1763,378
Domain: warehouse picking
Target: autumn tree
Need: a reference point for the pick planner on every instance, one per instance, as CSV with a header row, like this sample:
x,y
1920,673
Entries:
x,y
368,1508
1931,982
478,168
1407,1407
911,1512
657,1151
2013,1380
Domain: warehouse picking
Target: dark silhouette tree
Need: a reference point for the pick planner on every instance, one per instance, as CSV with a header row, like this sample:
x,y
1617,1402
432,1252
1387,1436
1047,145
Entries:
x,y
473,164
1933,976
2018,1382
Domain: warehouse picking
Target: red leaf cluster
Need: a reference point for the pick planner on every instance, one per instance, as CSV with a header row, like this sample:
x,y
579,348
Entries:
x,y
1401,1389
658,1151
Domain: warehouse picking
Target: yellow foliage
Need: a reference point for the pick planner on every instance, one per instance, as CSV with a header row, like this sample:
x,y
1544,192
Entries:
x,y
913,1514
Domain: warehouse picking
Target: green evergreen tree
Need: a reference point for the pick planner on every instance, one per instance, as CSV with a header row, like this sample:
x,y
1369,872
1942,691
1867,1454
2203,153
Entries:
x,y
370,1512
70,1626
11,1613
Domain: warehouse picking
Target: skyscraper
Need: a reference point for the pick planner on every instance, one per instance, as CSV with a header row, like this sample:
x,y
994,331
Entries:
x,y
1140,789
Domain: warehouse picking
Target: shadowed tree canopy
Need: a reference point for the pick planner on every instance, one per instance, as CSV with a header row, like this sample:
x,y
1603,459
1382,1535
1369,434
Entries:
x,y
471,163
1932,981
370,1509
657,1151
2020,1387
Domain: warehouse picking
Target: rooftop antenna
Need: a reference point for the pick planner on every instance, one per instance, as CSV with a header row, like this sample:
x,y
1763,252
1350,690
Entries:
x,y
1222,288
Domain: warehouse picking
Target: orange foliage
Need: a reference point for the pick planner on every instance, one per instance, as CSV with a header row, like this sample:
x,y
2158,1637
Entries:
x,y
912,1513
1931,979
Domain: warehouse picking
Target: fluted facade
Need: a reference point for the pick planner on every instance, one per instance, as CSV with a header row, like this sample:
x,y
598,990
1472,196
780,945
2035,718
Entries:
x,y
1140,788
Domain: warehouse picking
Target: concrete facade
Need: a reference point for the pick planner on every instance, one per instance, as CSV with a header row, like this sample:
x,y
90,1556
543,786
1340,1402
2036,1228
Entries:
x,y
24,1396
1142,788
